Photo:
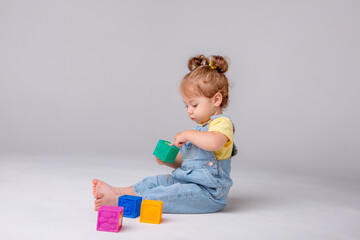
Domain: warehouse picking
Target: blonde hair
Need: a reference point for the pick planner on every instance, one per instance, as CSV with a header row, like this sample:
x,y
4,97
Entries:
x,y
206,78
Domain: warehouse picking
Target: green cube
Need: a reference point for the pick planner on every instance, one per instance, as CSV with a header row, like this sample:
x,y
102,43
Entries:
x,y
166,152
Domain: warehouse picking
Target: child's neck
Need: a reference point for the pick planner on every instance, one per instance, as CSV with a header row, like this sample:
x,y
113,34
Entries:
x,y
218,112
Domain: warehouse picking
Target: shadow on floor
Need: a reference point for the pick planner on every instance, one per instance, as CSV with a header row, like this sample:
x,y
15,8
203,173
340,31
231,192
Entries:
x,y
249,203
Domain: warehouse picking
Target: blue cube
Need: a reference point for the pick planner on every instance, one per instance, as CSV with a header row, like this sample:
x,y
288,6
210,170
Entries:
x,y
131,205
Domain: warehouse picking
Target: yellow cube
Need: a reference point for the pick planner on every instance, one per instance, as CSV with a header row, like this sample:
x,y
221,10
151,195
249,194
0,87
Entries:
x,y
151,211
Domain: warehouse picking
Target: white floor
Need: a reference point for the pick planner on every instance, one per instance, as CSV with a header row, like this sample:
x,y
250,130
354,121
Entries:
x,y
51,198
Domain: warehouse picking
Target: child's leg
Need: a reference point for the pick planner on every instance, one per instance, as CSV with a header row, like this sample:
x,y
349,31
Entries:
x,y
105,194
177,197
152,182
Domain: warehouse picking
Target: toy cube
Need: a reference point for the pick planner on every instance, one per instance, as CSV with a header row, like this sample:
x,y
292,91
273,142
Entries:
x,y
110,218
166,152
151,211
131,205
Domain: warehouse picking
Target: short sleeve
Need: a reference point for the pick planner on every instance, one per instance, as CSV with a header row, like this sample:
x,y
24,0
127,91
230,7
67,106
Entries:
x,y
224,126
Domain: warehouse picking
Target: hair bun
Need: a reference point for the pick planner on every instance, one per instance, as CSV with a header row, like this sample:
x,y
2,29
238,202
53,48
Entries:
x,y
220,63
197,61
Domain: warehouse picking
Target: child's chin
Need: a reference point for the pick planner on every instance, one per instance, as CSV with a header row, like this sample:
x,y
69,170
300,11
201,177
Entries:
x,y
196,120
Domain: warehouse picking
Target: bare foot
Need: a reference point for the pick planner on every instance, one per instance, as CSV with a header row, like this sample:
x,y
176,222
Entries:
x,y
105,194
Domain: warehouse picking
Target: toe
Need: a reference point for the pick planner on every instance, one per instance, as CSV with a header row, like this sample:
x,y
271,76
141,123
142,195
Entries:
x,y
99,195
98,203
97,206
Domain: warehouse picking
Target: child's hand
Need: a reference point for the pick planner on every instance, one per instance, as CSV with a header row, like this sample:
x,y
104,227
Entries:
x,y
159,161
180,139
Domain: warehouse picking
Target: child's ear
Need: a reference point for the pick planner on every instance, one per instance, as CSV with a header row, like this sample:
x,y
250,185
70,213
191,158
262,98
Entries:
x,y
217,99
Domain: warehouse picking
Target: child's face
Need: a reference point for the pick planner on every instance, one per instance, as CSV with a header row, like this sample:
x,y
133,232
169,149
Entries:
x,y
201,108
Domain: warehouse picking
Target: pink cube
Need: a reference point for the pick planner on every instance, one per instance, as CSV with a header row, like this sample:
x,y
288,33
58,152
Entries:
x,y
110,218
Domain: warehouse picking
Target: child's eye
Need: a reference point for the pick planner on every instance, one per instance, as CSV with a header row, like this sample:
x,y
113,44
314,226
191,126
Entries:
x,y
194,106
186,107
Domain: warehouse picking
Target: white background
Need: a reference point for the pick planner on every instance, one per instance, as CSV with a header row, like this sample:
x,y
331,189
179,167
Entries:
x,y
99,80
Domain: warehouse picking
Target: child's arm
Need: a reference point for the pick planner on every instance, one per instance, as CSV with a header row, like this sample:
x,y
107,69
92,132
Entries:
x,y
209,141
175,164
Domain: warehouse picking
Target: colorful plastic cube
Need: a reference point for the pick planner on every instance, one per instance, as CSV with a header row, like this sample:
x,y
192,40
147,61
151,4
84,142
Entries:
x,y
110,218
131,205
151,211
166,152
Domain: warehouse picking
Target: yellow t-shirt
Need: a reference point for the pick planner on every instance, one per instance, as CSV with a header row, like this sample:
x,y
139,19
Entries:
x,y
225,126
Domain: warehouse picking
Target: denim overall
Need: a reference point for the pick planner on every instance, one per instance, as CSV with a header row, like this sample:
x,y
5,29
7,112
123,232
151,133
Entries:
x,y
201,185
